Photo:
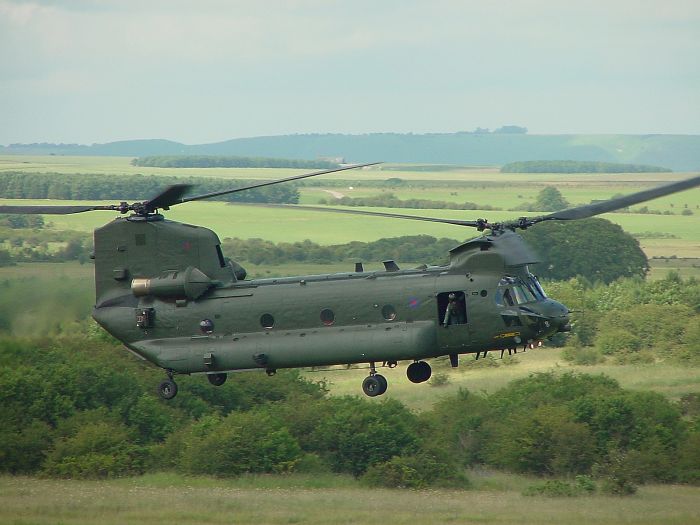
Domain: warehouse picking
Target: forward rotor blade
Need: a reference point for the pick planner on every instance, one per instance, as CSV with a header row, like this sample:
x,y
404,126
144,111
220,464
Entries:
x,y
473,224
589,210
269,183
166,198
51,210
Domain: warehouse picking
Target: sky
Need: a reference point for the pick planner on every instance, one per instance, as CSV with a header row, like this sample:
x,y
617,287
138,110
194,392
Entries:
x,y
89,71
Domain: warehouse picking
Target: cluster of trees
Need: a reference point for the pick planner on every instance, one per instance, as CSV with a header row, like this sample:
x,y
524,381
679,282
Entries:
x,y
20,185
23,239
389,200
567,425
593,248
229,161
411,248
578,166
548,199
14,222
80,407
632,320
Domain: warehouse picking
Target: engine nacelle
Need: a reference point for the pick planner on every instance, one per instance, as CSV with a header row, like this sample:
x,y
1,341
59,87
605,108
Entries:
x,y
176,284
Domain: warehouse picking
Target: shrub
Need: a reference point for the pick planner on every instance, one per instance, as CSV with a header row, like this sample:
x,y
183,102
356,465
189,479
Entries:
x,y
582,485
357,433
612,340
22,450
413,472
98,450
616,478
688,462
248,442
544,441
582,355
439,379
553,487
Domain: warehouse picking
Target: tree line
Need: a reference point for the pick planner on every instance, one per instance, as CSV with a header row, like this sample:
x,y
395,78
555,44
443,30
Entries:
x,y
229,161
20,185
578,166
389,200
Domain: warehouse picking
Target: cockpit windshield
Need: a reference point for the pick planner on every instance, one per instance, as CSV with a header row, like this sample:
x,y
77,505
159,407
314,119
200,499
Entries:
x,y
514,290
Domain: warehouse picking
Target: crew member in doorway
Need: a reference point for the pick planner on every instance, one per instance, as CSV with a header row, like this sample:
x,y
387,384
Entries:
x,y
455,313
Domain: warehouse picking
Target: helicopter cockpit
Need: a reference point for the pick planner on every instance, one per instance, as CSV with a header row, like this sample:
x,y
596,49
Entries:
x,y
514,291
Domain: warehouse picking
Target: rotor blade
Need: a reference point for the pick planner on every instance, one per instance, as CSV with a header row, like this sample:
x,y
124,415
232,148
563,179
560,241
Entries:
x,y
474,224
169,196
269,183
51,210
589,210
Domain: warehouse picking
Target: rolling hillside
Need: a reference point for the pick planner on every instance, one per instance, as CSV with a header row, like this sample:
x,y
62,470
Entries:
x,y
677,152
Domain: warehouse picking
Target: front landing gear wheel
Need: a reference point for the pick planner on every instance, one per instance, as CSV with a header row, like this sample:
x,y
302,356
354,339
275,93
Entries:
x,y
217,379
419,372
167,389
374,385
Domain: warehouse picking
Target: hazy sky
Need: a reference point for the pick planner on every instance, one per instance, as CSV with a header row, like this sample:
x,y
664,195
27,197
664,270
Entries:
x,y
95,71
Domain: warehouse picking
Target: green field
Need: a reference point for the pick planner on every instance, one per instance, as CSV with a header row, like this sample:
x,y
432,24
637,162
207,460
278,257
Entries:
x,y
297,499
662,235
279,225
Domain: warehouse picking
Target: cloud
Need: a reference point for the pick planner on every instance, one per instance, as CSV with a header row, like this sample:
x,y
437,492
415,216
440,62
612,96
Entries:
x,y
277,66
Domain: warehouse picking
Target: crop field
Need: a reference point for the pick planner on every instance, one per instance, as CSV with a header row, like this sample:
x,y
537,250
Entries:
x,y
167,498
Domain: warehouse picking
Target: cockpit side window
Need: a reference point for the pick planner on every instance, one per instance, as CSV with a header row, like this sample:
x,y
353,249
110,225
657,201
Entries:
x,y
513,290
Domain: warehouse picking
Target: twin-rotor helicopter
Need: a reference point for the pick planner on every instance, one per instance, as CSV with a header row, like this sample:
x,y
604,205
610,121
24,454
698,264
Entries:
x,y
166,290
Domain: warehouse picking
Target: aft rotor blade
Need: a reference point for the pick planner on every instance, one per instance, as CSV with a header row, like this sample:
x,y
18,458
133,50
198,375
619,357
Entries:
x,y
166,198
51,210
269,183
474,224
589,210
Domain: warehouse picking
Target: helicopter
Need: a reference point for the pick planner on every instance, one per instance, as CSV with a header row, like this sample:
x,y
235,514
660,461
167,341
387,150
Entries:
x,y
168,293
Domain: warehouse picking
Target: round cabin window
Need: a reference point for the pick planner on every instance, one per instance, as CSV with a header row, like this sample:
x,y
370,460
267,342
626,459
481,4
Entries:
x,y
267,321
327,316
206,326
388,312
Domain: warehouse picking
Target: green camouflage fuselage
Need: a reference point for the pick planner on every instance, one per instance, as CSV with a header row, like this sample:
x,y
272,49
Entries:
x,y
166,291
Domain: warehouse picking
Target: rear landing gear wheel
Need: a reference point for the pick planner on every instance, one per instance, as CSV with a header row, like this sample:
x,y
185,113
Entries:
x,y
419,372
217,379
374,385
167,389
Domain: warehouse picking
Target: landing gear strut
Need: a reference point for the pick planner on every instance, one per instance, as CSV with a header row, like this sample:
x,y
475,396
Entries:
x,y
375,384
419,372
168,388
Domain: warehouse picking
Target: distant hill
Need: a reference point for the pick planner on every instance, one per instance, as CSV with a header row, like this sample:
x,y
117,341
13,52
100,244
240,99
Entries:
x,y
676,152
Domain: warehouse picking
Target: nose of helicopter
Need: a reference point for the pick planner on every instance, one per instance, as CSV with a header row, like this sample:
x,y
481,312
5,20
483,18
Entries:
x,y
551,316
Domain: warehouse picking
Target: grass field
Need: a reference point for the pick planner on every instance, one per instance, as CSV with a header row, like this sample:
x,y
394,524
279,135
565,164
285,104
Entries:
x,y
165,498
